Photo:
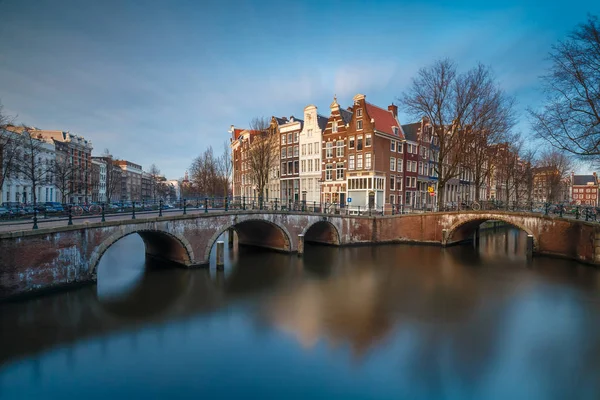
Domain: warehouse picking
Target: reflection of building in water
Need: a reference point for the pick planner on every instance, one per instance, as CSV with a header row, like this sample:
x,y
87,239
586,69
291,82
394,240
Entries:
x,y
344,309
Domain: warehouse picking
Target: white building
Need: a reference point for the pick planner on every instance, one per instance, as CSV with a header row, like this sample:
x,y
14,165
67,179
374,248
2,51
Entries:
x,y
17,188
310,154
99,180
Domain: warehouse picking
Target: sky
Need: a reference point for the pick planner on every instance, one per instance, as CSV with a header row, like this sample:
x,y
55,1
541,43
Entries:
x,y
160,81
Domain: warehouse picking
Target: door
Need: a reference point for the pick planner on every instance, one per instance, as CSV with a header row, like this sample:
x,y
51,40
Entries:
x,y
342,200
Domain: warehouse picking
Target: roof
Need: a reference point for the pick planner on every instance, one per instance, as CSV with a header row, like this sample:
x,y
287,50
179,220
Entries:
x,y
411,131
384,120
281,121
582,180
346,115
322,122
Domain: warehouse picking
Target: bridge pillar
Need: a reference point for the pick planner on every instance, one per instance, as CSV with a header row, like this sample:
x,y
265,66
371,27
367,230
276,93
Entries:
x,y
444,237
529,246
220,254
230,233
300,244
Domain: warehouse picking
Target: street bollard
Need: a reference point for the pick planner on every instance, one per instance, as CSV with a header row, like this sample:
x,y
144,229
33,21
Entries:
x,y
160,207
184,207
70,215
35,221
220,254
205,205
103,208
275,204
529,246
300,244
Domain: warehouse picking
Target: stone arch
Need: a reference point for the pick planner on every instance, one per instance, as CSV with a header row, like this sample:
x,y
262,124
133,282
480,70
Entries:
x,y
465,227
322,231
159,244
285,244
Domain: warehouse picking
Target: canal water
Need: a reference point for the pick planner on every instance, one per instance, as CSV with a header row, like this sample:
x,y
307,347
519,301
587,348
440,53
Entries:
x,y
380,322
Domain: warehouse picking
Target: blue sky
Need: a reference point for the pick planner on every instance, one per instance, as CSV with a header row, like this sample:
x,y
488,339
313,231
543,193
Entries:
x,y
158,81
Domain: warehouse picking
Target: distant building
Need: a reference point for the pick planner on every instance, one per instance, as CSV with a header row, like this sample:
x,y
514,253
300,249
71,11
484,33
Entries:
x,y
99,167
584,189
131,183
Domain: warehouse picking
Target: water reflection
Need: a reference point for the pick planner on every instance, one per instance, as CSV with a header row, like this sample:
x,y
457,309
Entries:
x,y
365,322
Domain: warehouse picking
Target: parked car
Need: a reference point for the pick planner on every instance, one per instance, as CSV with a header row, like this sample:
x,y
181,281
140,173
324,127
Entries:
x,y
54,206
5,212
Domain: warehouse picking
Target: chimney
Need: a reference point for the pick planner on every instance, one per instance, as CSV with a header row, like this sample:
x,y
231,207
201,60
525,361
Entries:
x,y
394,109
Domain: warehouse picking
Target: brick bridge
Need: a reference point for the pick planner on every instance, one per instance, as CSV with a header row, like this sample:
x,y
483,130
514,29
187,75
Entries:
x,y
46,258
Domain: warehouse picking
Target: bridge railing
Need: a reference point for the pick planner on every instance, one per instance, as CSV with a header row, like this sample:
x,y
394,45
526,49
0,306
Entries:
x,y
70,214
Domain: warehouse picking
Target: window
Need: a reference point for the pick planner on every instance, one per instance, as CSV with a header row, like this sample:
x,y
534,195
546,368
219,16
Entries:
x,y
368,140
303,149
340,172
283,139
334,126
414,182
359,160
303,166
289,138
295,137
290,168
310,148
351,161
351,142
283,169
407,184
415,149
283,153
290,151
317,148
339,148
296,151
359,125
392,164
393,145
420,168
368,161
392,182
317,165
328,172
400,147
399,186
392,198
409,148
359,112
296,167
359,142
395,130
329,149
399,169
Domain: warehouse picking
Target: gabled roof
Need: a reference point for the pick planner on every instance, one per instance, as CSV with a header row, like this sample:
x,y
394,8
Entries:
x,y
346,115
281,121
582,180
384,120
322,122
411,131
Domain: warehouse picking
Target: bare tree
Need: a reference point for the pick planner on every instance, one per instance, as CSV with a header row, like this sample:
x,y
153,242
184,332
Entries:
x,y
204,174
225,168
261,155
9,147
507,167
489,124
570,119
552,170
449,100
64,172
155,176
34,166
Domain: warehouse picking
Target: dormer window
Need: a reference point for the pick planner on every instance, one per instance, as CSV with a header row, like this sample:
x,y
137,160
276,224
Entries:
x,y
395,130
359,112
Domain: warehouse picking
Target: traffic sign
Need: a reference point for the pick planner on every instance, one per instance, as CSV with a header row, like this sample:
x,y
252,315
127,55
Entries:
x,y
432,194
349,199
430,189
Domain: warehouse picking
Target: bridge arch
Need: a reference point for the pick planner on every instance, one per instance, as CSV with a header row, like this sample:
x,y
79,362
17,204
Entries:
x,y
158,244
322,231
466,226
255,232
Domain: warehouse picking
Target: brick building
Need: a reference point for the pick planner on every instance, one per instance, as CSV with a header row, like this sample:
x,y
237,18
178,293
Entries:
x,y
289,140
584,189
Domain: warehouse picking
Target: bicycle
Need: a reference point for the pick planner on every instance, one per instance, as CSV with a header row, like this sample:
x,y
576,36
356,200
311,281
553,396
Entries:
x,y
473,205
